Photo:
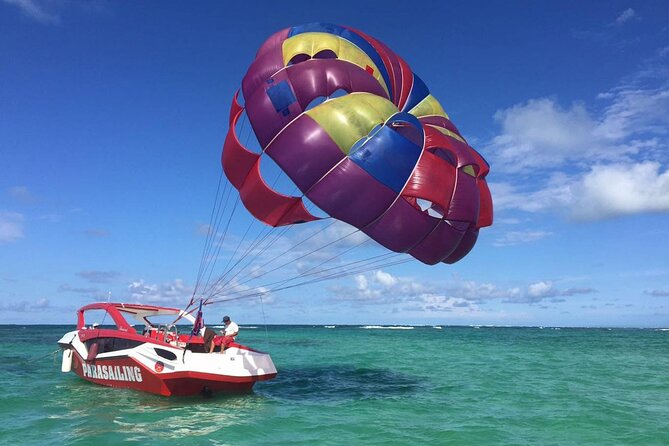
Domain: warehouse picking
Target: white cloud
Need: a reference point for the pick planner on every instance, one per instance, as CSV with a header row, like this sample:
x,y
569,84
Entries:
x,y
466,295
361,282
385,279
36,10
621,189
203,229
556,193
539,291
540,135
96,233
11,226
518,237
89,291
22,194
40,304
657,293
605,191
634,111
171,293
99,276
380,287
585,163
626,16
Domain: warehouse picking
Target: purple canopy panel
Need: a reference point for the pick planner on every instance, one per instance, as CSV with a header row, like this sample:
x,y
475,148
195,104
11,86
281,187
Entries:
x,y
264,66
296,86
322,77
465,203
402,227
305,152
350,194
273,41
267,116
466,245
438,245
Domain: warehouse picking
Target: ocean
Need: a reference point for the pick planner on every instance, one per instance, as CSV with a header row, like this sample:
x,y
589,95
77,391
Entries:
x,y
354,385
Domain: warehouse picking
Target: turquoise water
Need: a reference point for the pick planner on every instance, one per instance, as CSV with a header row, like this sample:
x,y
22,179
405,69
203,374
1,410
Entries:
x,y
350,385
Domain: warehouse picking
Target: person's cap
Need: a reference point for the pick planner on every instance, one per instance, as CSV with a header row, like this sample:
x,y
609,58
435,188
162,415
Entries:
x,y
226,318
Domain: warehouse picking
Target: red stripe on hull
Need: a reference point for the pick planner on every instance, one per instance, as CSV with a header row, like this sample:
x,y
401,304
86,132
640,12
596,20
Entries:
x,y
128,373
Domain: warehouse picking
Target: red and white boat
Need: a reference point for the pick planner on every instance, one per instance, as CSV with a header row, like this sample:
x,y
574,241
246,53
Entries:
x,y
158,359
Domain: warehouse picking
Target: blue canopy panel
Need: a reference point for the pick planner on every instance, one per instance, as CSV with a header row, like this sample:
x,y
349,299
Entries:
x,y
388,156
419,91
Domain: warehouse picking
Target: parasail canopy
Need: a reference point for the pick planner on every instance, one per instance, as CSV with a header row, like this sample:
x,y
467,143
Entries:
x,y
362,138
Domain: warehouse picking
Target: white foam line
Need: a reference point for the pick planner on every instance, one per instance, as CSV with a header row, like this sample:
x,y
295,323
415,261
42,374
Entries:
x,y
385,327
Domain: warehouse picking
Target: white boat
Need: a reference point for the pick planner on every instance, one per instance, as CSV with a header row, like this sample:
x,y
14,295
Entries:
x,y
157,359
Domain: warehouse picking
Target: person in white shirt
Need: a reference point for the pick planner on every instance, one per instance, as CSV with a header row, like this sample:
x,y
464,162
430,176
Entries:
x,y
229,334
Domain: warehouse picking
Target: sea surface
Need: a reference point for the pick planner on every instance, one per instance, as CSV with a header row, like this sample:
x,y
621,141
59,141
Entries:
x,y
354,385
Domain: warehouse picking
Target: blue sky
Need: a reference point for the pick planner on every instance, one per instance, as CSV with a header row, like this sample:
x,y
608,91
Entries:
x,y
113,114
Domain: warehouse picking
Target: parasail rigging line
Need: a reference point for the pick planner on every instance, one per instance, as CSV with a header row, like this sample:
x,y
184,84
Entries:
x,y
301,256
220,243
212,265
308,282
209,233
259,238
369,263
306,273
248,275
214,231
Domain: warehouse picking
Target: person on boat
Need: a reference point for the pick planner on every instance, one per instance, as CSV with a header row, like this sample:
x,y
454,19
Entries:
x,y
209,338
229,333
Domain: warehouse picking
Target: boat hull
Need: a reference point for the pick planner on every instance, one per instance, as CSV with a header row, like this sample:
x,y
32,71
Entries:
x,y
128,373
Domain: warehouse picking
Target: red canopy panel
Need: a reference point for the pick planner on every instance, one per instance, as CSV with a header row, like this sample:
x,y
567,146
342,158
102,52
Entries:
x,y
433,179
485,206
242,168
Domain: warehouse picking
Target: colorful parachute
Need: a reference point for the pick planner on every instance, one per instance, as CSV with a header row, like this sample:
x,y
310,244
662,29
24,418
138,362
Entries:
x,y
384,157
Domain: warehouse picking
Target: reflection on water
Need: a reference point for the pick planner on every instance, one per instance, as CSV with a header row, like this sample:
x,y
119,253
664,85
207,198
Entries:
x,y
141,416
96,412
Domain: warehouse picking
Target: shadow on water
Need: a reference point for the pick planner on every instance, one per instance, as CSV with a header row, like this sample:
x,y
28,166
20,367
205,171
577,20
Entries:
x,y
337,384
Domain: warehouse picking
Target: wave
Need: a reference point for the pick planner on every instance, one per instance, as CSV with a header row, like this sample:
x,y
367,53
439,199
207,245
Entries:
x,y
387,327
438,327
329,326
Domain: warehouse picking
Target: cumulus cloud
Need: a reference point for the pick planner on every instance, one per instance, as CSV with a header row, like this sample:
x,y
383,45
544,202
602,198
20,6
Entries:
x,y
604,191
40,304
541,133
621,189
89,291
588,163
374,289
96,233
233,290
174,292
385,279
22,194
99,276
519,237
11,226
203,229
626,16
380,287
40,11
539,291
